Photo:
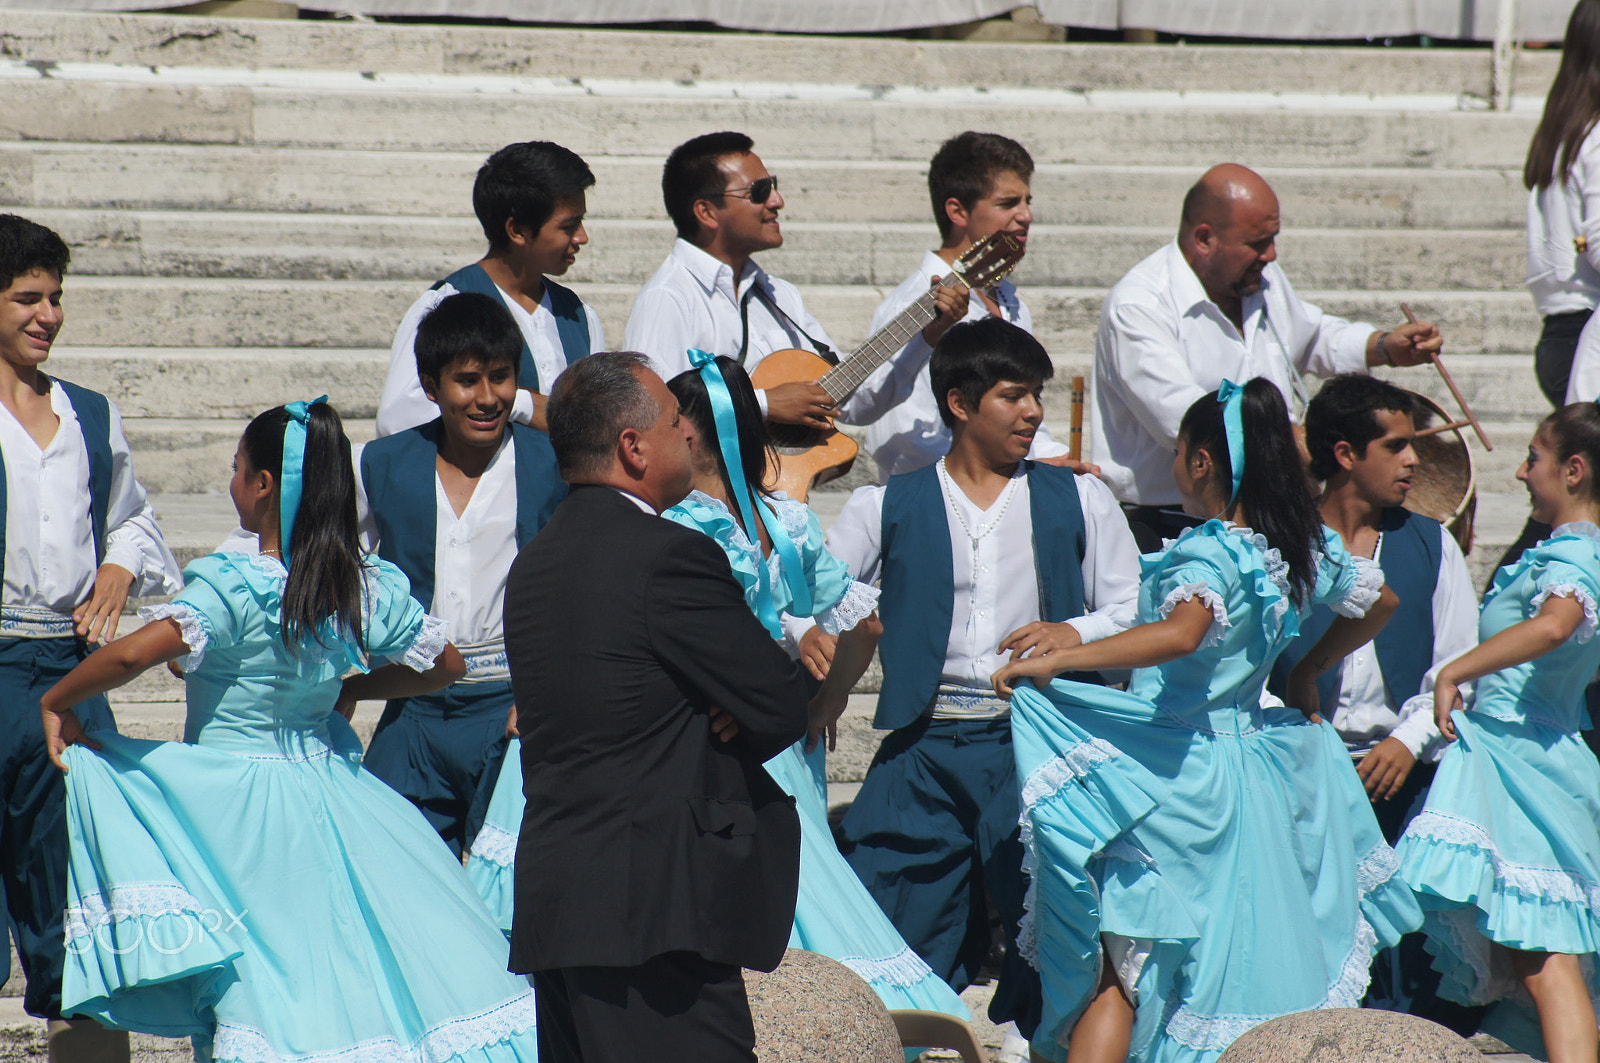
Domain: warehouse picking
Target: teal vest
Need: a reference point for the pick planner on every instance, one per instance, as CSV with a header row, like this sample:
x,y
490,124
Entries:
x,y
1409,554
94,422
918,597
399,473
571,324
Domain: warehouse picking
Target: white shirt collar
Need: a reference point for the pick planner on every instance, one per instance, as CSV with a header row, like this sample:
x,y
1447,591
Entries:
x,y
636,500
711,271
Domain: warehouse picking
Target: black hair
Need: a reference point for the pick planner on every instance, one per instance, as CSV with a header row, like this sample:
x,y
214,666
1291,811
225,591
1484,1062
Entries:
x,y
1345,410
1573,105
26,246
324,553
467,325
691,174
1273,491
524,182
755,448
965,167
591,403
974,356
1575,429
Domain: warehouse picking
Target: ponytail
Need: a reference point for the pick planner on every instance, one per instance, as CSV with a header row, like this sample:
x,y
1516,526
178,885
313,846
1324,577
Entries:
x,y
1273,491
324,555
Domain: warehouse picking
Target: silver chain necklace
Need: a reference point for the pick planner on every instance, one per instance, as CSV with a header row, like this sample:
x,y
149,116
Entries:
x,y
947,485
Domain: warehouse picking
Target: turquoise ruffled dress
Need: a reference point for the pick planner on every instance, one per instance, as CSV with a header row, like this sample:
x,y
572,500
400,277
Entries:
x,y
1251,880
253,888
1507,848
834,914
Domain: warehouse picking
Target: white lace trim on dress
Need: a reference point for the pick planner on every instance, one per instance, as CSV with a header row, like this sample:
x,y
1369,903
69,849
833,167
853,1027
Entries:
x,y
1548,883
1219,609
131,900
1586,627
1213,1033
456,1037
496,845
904,969
1368,588
1048,779
426,647
1276,567
857,604
190,625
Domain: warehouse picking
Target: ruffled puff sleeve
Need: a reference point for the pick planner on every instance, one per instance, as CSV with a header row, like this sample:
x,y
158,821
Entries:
x,y
218,590
1187,571
398,629
1568,568
838,599
1347,584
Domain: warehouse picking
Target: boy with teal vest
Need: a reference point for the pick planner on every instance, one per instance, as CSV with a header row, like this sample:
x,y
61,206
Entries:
x,y
530,201
451,502
1359,432
982,555
77,538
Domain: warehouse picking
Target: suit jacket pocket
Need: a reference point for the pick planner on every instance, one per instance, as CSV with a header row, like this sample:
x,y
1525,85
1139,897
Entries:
x,y
722,817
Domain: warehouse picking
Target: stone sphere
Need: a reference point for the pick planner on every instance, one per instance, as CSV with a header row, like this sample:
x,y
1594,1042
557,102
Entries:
x,y
816,1010
1350,1035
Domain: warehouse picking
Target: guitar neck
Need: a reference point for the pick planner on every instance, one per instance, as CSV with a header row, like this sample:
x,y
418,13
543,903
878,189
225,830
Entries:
x,y
841,381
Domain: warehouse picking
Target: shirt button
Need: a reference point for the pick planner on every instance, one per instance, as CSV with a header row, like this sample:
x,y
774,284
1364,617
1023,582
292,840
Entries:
x,y
47,518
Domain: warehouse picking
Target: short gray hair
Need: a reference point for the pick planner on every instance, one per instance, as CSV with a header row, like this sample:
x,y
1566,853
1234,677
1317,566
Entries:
x,y
593,401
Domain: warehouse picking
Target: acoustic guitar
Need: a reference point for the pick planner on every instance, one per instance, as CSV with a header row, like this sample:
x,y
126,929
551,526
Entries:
x,y
806,456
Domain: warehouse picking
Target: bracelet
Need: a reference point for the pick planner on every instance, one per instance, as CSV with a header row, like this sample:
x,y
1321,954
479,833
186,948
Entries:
x,y
1384,350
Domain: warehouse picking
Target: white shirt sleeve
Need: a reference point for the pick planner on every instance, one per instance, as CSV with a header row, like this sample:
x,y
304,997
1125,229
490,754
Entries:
x,y
662,326
1138,346
856,538
133,538
1110,564
404,404
1584,383
1455,631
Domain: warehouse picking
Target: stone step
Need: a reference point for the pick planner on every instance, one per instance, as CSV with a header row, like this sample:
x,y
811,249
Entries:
x,y
160,40
232,244
127,104
35,175
131,312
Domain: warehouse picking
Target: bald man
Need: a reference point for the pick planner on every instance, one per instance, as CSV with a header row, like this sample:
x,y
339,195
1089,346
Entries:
x,y
1212,305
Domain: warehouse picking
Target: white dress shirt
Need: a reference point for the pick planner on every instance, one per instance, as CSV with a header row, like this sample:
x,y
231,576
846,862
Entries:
x,y
1365,714
50,549
1163,343
693,302
405,405
907,432
1561,278
997,581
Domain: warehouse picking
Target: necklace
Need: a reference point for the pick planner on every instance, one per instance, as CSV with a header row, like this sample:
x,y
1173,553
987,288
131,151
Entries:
x,y
947,485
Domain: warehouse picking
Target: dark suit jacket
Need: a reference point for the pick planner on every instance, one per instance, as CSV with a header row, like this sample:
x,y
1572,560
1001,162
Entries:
x,y
643,832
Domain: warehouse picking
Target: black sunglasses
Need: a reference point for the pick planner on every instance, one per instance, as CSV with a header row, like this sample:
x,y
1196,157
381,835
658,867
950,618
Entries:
x,y
757,192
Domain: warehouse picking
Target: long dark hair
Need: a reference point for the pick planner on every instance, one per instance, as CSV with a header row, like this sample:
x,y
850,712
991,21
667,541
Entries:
x,y
325,554
755,449
1575,429
1273,490
1571,109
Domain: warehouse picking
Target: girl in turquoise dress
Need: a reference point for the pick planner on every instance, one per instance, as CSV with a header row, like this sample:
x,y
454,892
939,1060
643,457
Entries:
x,y
1252,880
786,571
252,887
1505,857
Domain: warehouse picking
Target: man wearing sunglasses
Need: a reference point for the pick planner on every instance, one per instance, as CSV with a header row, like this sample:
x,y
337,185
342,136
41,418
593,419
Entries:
x,y
708,294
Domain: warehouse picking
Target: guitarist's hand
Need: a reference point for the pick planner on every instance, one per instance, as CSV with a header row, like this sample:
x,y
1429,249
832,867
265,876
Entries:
x,y
951,304
801,402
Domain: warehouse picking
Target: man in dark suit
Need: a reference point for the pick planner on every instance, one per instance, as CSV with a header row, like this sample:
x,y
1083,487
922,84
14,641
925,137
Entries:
x,y
657,857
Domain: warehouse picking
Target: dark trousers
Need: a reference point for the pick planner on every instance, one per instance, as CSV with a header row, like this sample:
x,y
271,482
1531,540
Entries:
x,y
674,1007
1552,357
1151,524
933,835
33,811
443,752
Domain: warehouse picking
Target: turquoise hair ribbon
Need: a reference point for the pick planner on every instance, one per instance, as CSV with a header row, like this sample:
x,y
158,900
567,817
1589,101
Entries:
x,y
1231,396
728,442
289,479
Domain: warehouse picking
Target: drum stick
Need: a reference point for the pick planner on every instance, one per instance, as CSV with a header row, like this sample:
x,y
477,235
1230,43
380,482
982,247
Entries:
x,y
1436,429
1075,435
1450,383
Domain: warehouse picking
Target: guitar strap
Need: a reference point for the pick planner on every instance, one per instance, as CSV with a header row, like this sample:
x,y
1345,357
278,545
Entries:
x,y
759,292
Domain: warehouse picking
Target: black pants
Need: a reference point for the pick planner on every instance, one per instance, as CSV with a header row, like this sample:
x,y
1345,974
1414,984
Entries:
x,y
1552,358
1151,524
674,1007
